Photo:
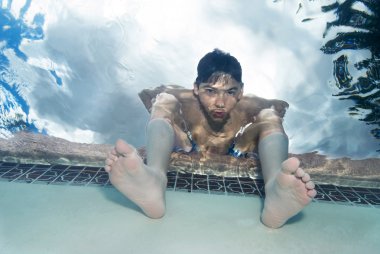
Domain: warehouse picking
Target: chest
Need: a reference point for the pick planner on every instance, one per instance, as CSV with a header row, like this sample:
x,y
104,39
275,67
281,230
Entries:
x,y
209,143
207,140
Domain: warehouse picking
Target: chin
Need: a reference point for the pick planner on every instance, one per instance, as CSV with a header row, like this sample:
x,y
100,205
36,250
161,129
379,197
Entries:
x,y
219,120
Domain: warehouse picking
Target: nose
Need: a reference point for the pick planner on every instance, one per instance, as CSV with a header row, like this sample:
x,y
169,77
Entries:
x,y
219,103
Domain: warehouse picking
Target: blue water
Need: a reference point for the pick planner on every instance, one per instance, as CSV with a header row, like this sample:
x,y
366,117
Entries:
x,y
74,72
14,31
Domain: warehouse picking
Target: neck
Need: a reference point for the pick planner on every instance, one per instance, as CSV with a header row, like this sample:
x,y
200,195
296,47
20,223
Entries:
x,y
216,127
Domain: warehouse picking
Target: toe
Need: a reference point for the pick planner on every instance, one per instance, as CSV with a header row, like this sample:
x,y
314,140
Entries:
x,y
312,193
111,156
123,149
290,166
113,152
109,162
300,173
306,178
310,185
107,168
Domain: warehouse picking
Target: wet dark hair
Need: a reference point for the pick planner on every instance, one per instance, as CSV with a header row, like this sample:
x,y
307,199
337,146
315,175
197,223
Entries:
x,y
218,61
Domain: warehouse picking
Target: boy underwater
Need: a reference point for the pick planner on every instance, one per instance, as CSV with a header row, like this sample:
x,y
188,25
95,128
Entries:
x,y
213,118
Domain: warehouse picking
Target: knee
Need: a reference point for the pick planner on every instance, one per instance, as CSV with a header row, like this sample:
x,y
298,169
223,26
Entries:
x,y
165,106
268,115
269,122
165,100
158,120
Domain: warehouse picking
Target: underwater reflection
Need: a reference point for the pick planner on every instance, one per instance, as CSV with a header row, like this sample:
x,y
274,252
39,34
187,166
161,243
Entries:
x,y
365,90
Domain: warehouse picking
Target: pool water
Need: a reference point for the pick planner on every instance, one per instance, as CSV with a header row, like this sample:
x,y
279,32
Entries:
x,y
73,69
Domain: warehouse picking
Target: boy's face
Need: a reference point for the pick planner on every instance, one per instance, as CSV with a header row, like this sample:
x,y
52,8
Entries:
x,y
219,97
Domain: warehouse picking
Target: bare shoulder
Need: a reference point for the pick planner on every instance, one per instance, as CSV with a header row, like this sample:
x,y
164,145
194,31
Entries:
x,y
252,105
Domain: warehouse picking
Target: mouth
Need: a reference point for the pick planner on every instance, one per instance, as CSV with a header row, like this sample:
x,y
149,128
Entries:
x,y
219,114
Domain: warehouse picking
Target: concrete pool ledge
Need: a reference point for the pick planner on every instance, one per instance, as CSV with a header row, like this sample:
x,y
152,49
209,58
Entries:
x,y
26,147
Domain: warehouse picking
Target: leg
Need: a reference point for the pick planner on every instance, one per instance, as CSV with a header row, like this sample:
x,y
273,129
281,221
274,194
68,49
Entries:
x,y
288,188
144,185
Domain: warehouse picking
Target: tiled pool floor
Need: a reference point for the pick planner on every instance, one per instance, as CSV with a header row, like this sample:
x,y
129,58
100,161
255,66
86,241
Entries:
x,y
185,182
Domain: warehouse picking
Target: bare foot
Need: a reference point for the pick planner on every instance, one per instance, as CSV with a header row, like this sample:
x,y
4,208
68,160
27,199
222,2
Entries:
x,y
287,194
141,184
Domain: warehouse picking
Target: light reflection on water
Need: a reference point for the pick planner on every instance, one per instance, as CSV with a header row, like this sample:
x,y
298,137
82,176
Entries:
x,y
74,69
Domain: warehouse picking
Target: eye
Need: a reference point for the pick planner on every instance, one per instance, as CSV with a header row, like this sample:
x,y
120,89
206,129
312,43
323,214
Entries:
x,y
231,92
210,91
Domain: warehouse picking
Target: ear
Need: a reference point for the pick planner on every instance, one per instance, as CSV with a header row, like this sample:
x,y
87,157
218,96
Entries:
x,y
240,95
196,89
